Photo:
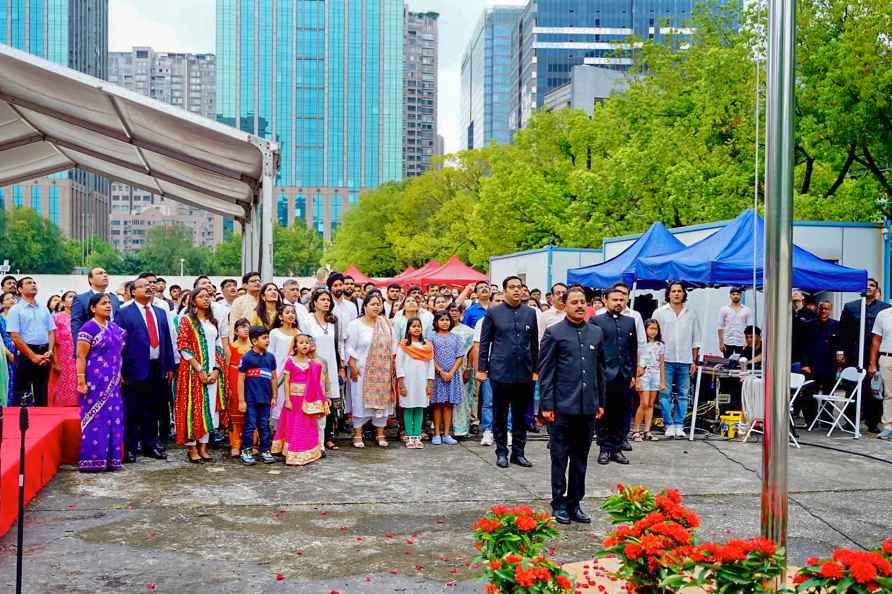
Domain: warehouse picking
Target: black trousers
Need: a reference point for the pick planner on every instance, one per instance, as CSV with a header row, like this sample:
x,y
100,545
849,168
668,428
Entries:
x,y
518,397
611,427
571,440
871,408
31,379
143,403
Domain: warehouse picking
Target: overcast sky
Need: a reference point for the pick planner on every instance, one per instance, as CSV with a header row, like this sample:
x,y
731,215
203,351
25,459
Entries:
x,y
188,26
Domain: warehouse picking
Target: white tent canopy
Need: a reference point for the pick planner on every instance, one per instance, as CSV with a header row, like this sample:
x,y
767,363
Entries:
x,y
53,118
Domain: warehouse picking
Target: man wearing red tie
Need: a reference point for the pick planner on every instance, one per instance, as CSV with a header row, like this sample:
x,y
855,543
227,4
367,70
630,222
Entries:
x,y
147,367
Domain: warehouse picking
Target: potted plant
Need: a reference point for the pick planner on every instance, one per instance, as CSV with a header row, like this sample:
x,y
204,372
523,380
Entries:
x,y
848,572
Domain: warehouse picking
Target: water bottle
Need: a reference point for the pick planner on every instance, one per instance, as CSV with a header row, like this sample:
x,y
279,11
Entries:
x,y
876,386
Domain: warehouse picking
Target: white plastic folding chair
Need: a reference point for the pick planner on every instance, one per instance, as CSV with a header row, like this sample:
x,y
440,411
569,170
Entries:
x,y
754,406
832,407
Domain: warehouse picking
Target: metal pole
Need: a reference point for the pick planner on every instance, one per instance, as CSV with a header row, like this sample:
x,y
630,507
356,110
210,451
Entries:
x,y
860,394
778,267
266,233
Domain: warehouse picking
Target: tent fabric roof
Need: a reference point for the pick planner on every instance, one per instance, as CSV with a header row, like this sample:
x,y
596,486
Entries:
x,y
453,272
725,258
53,118
415,277
655,241
358,276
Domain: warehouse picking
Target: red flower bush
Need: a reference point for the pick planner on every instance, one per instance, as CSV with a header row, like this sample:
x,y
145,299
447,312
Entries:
x,y
511,541
848,572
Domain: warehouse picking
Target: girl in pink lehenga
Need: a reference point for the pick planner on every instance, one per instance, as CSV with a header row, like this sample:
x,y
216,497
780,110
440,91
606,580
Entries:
x,y
297,433
62,390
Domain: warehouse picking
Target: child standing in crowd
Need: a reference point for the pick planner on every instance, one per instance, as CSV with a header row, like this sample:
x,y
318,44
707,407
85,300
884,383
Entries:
x,y
651,379
297,434
257,394
237,350
415,377
326,391
448,386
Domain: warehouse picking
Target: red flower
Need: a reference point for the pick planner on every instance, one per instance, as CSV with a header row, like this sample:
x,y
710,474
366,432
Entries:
x,y
831,570
633,551
500,510
887,546
491,589
564,582
812,561
495,564
487,525
525,523
523,510
512,559
524,577
863,572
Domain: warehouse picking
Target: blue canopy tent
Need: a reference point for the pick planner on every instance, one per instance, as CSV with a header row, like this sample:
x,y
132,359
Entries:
x,y
728,258
725,258
654,242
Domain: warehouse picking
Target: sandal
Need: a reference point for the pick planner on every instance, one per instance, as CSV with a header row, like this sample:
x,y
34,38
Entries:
x,y
382,442
637,436
330,445
358,443
648,436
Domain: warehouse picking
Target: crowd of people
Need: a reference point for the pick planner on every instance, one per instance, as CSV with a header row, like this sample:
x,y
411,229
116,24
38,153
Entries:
x,y
276,373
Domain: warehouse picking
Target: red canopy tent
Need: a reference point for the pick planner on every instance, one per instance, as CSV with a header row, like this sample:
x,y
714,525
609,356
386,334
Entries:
x,y
358,276
413,277
454,273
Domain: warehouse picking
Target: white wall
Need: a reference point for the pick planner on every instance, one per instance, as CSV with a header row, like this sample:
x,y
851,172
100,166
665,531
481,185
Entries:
x,y
533,266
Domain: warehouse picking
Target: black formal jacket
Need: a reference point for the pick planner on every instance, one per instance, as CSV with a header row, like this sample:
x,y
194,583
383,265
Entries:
x,y
80,312
136,364
509,343
571,369
620,345
850,328
822,341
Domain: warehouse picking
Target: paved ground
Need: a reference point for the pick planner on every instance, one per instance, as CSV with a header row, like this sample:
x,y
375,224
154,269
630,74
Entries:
x,y
395,520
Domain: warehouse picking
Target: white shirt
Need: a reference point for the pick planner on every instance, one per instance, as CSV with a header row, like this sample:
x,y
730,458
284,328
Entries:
x,y
639,323
154,352
681,333
221,310
159,302
550,317
300,309
733,321
883,327
345,312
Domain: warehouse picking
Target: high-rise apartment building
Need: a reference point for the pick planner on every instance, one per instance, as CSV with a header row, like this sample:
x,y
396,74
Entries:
x,y
325,81
73,33
553,36
187,81
420,92
486,75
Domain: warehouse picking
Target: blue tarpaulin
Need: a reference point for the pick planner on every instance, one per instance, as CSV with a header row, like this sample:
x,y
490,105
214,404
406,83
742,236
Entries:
x,y
725,258
654,242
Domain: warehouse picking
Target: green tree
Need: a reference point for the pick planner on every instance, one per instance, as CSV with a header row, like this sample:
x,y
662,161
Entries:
x,y
227,259
166,245
296,250
33,244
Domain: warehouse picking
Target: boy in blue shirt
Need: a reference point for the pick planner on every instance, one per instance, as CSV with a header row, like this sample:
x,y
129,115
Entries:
x,y
257,394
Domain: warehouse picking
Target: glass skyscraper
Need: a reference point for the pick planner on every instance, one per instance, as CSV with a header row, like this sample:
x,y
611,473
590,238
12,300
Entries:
x,y
553,36
73,33
486,76
324,79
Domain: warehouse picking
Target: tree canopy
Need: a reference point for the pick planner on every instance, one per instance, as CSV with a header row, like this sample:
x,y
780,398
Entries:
x,y
678,146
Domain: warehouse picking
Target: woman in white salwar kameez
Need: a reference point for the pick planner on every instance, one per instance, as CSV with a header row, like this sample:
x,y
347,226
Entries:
x,y
369,353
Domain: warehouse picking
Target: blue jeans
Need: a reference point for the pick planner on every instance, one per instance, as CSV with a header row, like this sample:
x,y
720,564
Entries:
x,y
485,406
257,417
678,376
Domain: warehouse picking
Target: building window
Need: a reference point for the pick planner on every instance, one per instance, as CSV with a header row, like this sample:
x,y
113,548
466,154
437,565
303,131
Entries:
x,y
17,199
300,208
2,199
35,198
318,213
54,205
336,204
353,198
282,208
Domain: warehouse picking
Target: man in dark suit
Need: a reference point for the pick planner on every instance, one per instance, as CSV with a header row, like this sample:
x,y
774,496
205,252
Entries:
x,y
509,354
850,334
621,368
147,368
573,389
80,310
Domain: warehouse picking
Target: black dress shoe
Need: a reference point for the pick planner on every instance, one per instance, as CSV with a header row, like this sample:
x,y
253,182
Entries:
x,y
521,461
502,461
619,458
604,457
580,516
561,516
129,458
626,446
156,453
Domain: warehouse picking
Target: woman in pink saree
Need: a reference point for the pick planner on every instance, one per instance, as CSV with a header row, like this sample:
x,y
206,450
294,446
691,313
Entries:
x,y
297,433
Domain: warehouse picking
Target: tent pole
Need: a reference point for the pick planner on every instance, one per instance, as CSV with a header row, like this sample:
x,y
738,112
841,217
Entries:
x,y
778,268
699,368
860,395
634,290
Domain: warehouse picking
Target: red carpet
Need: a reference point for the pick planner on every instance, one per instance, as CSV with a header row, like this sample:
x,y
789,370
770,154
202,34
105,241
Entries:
x,y
52,439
